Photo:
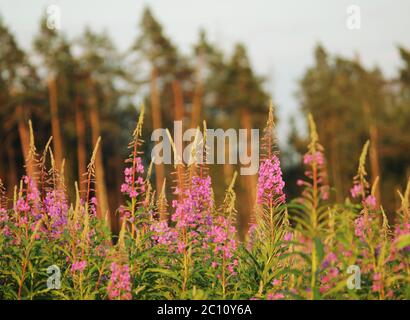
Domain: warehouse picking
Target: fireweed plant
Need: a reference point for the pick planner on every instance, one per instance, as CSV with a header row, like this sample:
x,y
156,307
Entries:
x,y
187,247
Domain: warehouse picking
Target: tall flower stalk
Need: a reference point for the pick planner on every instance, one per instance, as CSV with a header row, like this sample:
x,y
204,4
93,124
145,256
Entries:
x,y
311,214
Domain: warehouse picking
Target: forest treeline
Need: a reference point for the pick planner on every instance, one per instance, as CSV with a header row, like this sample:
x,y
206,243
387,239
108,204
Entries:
x,y
77,90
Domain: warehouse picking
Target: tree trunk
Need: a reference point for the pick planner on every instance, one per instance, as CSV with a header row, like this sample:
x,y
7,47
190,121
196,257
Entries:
x,y
249,181
197,103
81,143
156,124
228,168
55,123
178,100
12,170
373,152
25,140
179,143
101,191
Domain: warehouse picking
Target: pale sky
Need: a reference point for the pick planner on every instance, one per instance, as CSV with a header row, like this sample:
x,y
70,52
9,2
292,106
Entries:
x,y
280,35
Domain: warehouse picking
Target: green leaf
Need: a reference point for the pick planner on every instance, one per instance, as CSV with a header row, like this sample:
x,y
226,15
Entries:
x,y
403,241
165,272
319,249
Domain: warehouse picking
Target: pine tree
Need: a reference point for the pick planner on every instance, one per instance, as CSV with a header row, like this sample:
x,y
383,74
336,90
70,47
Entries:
x,y
19,93
55,53
169,73
101,71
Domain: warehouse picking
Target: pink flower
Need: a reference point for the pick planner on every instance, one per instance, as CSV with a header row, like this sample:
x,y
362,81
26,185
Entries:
x,y
276,282
288,236
356,190
370,201
324,192
318,158
324,288
330,259
347,253
333,272
124,188
133,194
78,266
180,247
163,234
300,182
270,182
22,205
362,225
134,184
56,208
325,279
308,158
119,286
94,201
275,296
195,220
377,286
399,267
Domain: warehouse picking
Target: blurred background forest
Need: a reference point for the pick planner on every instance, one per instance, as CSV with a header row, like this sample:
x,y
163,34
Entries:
x,y
79,89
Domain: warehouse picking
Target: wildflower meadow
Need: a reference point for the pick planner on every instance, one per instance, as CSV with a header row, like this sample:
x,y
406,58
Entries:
x,y
53,246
